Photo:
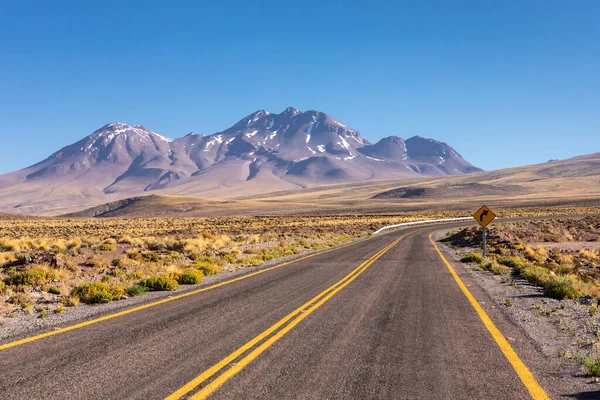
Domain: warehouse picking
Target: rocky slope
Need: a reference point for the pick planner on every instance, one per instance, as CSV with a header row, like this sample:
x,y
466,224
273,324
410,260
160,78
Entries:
x,y
262,152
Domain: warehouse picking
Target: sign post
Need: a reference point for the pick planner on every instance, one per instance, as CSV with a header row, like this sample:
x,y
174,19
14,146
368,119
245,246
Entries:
x,y
484,216
484,240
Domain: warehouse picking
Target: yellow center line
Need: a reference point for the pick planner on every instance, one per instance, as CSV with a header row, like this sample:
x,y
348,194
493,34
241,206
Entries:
x,y
534,388
163,301
300,313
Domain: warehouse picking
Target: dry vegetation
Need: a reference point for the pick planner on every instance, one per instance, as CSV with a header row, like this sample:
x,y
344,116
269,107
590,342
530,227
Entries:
x,y
562,257
560,268
48,265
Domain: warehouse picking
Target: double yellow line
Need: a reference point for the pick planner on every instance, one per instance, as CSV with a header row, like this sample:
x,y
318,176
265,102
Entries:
x,y
263,341
163,301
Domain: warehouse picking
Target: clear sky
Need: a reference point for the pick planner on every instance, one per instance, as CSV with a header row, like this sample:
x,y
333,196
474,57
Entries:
x,y
506,83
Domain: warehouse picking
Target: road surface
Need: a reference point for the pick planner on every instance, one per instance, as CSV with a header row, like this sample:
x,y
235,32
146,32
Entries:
x,y
379,319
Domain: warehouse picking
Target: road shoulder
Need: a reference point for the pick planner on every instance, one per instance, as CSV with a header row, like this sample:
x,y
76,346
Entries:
x,y
26,325
514,310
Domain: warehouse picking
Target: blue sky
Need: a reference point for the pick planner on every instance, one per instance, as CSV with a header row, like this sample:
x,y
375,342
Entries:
x,y
506,83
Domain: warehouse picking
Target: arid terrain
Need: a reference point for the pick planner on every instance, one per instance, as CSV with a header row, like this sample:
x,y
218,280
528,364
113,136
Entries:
x,y
48,264
547,276
70,263
550,188
263,152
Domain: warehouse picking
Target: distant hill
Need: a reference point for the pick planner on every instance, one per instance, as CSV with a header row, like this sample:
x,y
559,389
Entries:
x,y
579,176
261,153
573,182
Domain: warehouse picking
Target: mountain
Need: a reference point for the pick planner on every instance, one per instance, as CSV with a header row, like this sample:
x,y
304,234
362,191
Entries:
x,y
535,188
263,152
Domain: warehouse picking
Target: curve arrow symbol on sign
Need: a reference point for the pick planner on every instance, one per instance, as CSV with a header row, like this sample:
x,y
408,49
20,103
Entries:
x,y
483,214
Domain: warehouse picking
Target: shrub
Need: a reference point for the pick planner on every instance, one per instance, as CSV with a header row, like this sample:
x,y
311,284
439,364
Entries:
x,y
136,290
534,275
560,288
74,244
589,255
177,246
254,261
125,240
98,292
23,300
31,277
132,254
538,255
160,283
53,290
190,277
512,262
95,262
472,258
496,268
206,269
135,275
22,259
107,247
592,364
9,245
59,310
317,246
2,287
72,300
564,268
253,250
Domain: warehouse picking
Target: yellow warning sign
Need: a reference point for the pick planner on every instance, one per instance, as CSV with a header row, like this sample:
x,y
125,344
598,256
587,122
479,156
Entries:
x,y
484,216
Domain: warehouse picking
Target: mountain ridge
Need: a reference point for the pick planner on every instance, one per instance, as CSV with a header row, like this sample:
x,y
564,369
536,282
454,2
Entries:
x,y
261,152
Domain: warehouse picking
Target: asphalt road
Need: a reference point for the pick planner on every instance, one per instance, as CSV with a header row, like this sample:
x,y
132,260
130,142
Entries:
x,y
399,327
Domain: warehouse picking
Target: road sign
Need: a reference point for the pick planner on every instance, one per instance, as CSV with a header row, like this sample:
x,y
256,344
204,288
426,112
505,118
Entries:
x,y
484,216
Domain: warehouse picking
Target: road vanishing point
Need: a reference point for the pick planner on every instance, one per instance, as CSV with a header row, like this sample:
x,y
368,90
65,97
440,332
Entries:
x,y
385,318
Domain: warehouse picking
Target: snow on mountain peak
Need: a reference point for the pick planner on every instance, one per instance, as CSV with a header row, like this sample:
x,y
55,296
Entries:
x,y
114,129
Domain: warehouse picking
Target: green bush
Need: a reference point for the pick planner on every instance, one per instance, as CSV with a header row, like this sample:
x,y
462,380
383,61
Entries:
x,y
254,261
190,277
136,290
592,364
534,275
31,277
317,246
472,258
2,287
496,268
98,292
160,283
512,262
560,288
206,269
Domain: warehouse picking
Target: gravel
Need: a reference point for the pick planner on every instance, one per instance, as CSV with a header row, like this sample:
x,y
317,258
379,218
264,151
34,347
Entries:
x,y
564,330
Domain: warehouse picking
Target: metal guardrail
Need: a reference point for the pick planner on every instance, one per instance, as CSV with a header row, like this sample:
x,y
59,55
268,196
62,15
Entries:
x,y
431,221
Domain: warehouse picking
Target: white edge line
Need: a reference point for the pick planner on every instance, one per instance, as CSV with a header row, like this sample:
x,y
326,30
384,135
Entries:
x,y
431,221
